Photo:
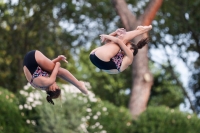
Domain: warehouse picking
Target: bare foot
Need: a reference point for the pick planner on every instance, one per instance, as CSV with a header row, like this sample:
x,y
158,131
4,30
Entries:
x,y
83,88
146,28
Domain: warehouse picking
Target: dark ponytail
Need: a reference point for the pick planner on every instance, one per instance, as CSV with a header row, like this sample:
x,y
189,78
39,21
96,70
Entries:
x,y
139,45
52,95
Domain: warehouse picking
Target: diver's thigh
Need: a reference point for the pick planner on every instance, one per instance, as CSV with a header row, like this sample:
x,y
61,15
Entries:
x,y
106,52
44,62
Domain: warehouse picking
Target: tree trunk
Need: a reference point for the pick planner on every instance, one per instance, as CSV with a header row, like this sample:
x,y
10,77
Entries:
x,y
142,78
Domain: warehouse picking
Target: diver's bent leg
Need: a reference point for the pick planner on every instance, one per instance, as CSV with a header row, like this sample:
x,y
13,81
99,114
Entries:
x,y
67,76
138,31
44,62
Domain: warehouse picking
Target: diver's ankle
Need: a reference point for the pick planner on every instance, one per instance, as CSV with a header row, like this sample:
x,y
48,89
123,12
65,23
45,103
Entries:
x,y
83,88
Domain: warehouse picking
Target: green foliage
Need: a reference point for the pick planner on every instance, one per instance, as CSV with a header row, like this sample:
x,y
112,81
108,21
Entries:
x,y
81,114
65,118
11,120
166,120
104,116
77,113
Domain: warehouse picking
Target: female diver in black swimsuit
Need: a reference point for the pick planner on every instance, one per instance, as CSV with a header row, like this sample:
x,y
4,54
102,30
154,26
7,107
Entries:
x,y
118,52
41,73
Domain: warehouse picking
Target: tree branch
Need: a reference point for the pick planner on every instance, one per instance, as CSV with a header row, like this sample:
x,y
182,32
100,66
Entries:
x,y
150,12
127,17
178,81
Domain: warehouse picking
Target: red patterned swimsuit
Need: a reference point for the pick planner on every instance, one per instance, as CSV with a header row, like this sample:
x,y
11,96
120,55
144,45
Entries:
x,y
117,59
38,72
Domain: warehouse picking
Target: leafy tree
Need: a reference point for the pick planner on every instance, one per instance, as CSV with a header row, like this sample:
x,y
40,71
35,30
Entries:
x,y
25,26
165,90
142,79
181,35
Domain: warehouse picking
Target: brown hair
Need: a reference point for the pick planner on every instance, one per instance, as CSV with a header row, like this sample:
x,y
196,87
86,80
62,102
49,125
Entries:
x,y
139,45
52,95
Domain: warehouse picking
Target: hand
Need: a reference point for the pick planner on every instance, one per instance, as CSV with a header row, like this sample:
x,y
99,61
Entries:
x,y
102,38
53,87
63,58
120,31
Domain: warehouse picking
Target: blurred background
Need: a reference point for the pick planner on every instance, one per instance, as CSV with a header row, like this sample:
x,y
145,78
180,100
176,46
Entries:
x,y
159,93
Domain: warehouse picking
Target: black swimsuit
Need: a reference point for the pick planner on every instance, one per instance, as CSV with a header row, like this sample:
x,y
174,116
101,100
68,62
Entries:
x,y
101,64
114,63
32,65
30,61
